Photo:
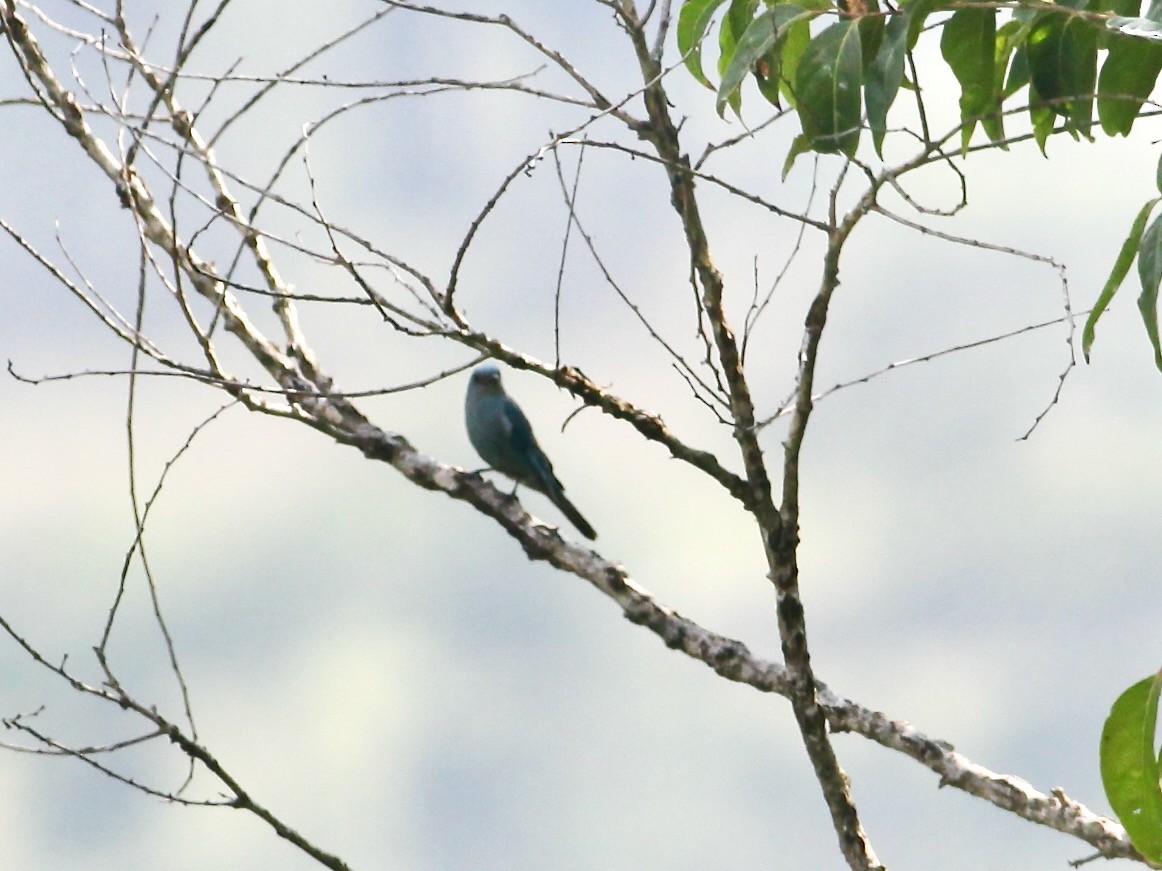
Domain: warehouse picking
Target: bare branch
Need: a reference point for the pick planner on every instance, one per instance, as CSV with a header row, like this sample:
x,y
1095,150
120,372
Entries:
x,y
679,361
603,104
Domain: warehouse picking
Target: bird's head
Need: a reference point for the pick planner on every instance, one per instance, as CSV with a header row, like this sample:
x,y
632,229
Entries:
x,y
487,379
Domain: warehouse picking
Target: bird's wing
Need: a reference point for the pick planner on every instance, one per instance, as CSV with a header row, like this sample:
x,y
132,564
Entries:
x,y
517,427
523,441
524,444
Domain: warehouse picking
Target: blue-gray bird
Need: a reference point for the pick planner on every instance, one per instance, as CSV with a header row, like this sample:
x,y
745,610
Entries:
x,y
504,439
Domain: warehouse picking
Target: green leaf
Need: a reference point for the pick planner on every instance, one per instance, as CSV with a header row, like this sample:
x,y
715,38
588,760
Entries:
x,y
1018,73
693,21
755,45
1123,8
1062,53
776,71
967,44
884,77
1118,274
734,24
1007,38
871,31
1015,34
1041,117
768,77
918,11
740,14
1118,7
794,44
1127,78
827,85
756,40
1129,765
800,145
1150,274
1026,13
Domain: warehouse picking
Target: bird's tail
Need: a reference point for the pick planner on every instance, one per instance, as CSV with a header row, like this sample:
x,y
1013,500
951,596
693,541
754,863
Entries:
x,y
562,502
547,483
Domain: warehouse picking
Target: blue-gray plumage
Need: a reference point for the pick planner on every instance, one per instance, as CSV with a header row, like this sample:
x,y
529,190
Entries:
x,y
504,439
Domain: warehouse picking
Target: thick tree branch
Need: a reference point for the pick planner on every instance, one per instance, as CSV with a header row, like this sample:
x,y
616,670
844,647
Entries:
x,y
727,657
780,540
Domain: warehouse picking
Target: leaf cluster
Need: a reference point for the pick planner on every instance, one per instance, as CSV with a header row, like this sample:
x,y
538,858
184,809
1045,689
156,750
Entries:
x,y
842,65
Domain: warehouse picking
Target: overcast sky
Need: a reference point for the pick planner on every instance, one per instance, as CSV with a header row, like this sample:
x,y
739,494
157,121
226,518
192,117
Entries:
x,y
381,666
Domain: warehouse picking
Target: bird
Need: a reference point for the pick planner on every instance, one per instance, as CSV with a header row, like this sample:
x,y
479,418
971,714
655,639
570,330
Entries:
x,y
502,435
